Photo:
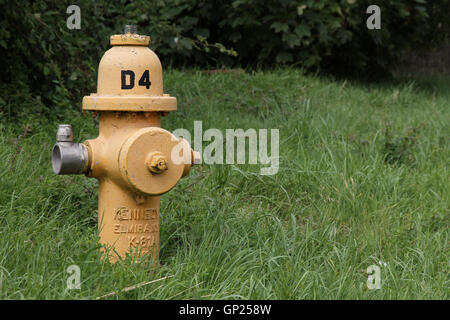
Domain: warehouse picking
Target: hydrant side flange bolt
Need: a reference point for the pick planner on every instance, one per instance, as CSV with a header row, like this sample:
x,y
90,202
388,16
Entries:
x,y
132,155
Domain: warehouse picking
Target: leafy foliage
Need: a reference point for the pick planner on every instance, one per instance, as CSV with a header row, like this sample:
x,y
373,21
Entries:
x,y
48,67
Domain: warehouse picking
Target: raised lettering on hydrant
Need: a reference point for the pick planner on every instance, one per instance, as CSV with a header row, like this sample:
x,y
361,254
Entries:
x,y
132,156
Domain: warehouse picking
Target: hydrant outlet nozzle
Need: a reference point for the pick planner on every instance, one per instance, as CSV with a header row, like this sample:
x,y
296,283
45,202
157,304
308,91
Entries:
x,y
68,157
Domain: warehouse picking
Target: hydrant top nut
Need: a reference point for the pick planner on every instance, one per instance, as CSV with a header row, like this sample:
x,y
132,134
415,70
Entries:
x,y
64,133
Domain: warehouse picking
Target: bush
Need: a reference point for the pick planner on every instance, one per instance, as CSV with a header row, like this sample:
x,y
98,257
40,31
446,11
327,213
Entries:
x,y
315,34
51,67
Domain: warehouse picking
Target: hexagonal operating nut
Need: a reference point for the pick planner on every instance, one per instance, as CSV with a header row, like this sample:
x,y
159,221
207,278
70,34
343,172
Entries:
x,y
156,162
64,133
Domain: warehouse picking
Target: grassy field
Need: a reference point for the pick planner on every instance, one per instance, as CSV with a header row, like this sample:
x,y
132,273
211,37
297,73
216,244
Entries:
x,y
363,180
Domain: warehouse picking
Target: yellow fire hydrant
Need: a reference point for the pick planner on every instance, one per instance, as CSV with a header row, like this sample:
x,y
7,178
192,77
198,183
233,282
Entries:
x,y
134,160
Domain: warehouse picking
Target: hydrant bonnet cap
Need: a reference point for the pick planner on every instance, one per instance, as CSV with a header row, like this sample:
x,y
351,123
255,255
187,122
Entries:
x,y
130,78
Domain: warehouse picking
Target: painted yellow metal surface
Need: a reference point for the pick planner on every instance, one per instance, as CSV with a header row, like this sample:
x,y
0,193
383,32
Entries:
x,y
132,156
130,79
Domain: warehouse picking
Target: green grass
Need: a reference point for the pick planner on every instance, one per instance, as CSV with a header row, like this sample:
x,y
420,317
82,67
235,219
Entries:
x,y
363,178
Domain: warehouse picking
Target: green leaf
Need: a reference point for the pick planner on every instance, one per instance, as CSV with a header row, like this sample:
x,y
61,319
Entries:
x,y
303,30
279,27
291,39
